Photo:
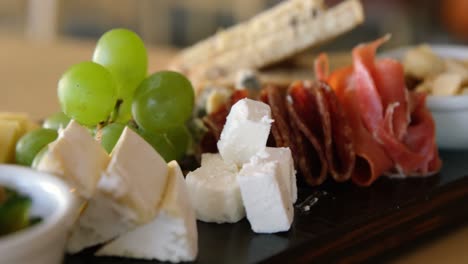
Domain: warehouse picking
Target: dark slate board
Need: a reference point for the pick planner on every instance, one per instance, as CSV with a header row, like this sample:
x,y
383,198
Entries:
x,y
345,223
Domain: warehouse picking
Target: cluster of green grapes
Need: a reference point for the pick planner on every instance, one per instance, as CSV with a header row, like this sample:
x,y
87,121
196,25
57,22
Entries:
x,y
113,91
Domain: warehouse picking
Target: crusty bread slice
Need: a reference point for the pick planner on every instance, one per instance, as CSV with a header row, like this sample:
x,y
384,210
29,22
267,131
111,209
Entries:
x,y
284,43
262,26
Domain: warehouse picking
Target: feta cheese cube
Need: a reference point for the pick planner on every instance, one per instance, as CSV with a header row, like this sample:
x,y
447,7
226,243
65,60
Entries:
x,y
214,191
266,197
286,166
245,132
171,236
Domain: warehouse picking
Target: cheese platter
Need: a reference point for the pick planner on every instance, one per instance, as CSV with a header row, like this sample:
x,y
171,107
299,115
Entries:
x,y
214,161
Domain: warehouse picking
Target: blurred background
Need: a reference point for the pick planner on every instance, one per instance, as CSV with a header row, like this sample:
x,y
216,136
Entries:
x,y
40,39
179,23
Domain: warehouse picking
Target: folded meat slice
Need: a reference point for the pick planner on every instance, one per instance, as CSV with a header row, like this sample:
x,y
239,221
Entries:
x,y
280,129
313,163
393,130
371,159
319,116
421,136
384,107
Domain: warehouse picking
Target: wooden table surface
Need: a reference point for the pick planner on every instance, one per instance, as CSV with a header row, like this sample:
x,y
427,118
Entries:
x,y
29,72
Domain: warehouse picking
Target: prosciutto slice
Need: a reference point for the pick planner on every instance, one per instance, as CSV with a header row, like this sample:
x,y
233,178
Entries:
x,y
395,127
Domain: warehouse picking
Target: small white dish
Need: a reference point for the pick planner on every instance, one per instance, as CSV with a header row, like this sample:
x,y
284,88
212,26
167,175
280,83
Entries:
x,y
450,112
53,202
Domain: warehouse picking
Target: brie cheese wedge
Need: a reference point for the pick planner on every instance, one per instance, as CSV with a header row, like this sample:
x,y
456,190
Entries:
x,y
76,158
245,132
171,236
128,193
214,191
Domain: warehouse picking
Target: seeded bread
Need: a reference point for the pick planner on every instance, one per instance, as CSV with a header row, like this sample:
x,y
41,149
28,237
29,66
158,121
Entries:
x,y
260,27
269,37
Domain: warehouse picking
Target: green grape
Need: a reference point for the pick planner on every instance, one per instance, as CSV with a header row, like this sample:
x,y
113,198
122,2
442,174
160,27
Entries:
x,y
110,134
171,144
87,93
180,138
31,143
161,144
124,54
39,157
163,100
56,121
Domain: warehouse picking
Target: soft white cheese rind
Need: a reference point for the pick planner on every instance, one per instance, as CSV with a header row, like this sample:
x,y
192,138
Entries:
x,y
136,175
245,132
102,220
76,158
266,197
214,191
128,193
171,236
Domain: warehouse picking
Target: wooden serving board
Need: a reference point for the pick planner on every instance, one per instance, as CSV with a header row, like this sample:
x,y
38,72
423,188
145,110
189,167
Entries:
x,y
341,222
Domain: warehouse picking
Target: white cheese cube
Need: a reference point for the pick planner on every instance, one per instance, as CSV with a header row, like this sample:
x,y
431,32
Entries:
x,y
214,191
266,198
286,166
245,132
77,158
171,236
128,193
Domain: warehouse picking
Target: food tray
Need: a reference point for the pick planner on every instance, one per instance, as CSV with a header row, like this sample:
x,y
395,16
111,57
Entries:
x,y
340,222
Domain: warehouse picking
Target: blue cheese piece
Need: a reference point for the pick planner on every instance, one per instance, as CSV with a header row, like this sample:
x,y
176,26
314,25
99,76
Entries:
x,y
245,132
266,197
170,236
214,191
128,193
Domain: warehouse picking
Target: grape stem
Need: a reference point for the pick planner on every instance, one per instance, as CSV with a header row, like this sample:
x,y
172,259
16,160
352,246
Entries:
x,y
115,113
2,195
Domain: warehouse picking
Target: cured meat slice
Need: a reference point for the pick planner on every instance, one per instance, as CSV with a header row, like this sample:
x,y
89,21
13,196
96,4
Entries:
x,y
390,83
383,104
421,136
318,115
341,150
312,161
390,121
280,129
286,134
371,159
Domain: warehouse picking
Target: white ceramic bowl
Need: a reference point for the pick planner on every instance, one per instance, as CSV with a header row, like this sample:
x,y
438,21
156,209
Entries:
x,y
52,200
450,112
